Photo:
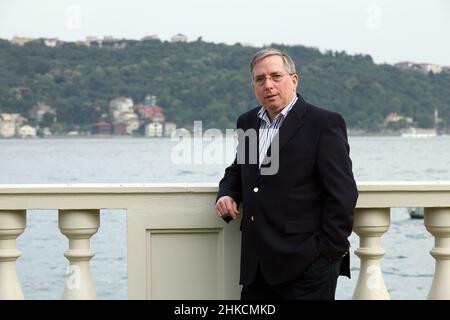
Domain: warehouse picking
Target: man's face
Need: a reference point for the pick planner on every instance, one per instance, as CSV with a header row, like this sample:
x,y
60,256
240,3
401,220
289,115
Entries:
x,y
273,95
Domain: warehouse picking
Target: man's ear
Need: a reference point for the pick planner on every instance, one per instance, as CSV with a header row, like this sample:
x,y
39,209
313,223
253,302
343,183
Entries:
x,y
295,80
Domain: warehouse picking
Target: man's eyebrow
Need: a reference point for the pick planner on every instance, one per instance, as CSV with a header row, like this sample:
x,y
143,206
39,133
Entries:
x,y
264,74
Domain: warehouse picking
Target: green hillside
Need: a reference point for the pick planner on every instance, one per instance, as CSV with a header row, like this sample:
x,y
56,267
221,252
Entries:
x,y
209,82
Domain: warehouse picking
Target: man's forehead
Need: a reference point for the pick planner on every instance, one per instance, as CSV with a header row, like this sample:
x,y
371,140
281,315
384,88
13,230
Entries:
x,y
272,59
272,65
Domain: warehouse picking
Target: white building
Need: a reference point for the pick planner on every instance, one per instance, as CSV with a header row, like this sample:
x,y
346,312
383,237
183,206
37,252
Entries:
x,y
52,42
9,123
27,131
395,117
169,129
7,129
120,105
90,39
131,119
20,41
422,67
38,110
154,129
46,132
179,38
432,67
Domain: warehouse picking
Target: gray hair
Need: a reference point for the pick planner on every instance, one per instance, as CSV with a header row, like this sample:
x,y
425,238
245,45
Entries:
x,y
261,54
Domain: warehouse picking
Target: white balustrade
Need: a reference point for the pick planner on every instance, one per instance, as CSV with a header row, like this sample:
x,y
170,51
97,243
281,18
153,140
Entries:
x,y
12,224
181,217
437,222
370,224
79,226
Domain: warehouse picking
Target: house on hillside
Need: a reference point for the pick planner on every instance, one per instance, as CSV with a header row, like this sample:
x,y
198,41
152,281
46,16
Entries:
x,y
119,128
10,123
395,117
169,129
20,41
179,38
150,113
102,128
27,131
38,111
154,129
422,67
120,105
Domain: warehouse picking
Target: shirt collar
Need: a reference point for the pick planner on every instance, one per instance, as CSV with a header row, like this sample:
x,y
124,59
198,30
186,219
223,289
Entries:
x,y
262,113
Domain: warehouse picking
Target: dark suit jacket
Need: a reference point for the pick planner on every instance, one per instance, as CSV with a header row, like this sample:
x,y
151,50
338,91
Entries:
x,y
304,210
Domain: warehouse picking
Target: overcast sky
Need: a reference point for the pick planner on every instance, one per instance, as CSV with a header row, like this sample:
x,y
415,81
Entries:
x,y
389,30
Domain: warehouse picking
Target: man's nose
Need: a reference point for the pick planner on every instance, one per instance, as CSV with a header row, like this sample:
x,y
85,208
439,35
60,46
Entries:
x,y
268,82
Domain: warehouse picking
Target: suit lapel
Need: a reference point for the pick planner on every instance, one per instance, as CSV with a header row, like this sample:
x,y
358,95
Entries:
x,y
293,122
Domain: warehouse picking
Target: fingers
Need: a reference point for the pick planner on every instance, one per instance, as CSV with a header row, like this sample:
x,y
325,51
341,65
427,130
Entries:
x,y
230,209
235,208
226,206
221,209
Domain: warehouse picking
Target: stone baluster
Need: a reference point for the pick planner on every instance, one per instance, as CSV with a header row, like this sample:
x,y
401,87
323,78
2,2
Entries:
x,y
437,222
12,224
79,226
370,224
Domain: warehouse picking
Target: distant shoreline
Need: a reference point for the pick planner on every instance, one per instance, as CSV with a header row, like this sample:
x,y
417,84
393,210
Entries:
x,y
112,137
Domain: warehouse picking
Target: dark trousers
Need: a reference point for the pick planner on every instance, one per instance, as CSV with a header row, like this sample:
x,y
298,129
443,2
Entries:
x,y
318,282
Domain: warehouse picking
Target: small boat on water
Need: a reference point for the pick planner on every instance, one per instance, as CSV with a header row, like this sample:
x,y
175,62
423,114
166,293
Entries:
x,y
416,213
419,133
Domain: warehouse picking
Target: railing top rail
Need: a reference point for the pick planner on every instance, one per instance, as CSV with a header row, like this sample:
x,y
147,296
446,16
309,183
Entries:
x,y
96,188
372,194
364,186
389,186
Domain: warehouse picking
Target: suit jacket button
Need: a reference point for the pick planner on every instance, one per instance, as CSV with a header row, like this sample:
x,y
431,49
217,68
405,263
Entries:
x,y
252,218
255,189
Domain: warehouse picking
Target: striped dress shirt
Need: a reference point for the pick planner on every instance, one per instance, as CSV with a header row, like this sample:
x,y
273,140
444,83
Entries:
x,y
268,129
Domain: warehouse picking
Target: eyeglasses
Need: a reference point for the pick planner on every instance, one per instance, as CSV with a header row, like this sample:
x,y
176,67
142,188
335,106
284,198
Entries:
x,y
276,77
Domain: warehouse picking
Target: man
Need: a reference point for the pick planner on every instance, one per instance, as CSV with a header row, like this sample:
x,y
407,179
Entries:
x,y
297,218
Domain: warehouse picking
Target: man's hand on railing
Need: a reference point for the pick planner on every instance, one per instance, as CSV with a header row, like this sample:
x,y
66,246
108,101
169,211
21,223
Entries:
x,y
226,207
